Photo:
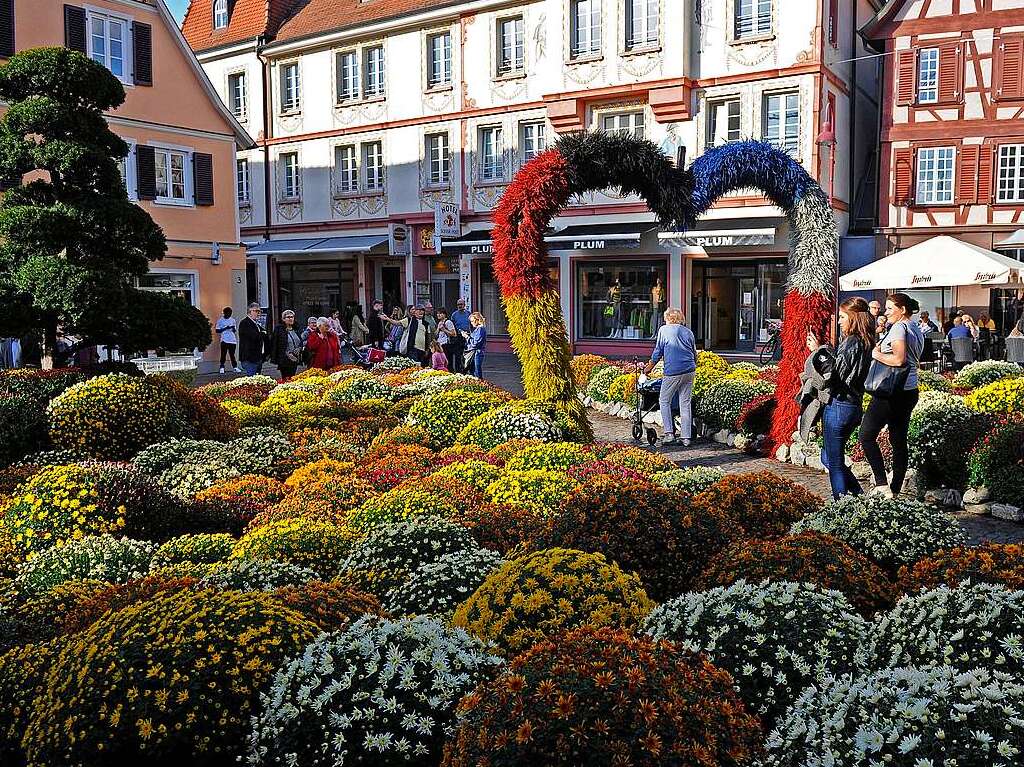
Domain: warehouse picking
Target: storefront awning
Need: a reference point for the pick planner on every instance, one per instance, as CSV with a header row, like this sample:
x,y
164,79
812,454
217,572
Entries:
x,y
1015,240
473,243
718,238
320,246
599,236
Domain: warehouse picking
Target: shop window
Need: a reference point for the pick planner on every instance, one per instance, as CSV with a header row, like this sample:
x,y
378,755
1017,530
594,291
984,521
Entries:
x,y
181,284
488,296
614,299
315,289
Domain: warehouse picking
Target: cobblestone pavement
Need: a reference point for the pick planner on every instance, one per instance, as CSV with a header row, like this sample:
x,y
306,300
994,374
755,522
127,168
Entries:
x,y
503,370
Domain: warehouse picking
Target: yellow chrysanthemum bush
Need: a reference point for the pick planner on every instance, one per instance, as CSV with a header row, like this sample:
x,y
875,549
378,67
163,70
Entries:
x,y
402,435
548,592
198,663
583,366
300,541
22,681
643,461
999,397
477,473
325,468
400,504
623,389
446,414
538,489
110,417
552,456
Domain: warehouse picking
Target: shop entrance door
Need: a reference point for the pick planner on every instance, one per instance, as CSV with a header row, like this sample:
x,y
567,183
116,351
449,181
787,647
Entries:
x,y
720,312
727,304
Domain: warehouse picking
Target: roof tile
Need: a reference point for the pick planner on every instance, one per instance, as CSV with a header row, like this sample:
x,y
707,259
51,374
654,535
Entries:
x,y
318,16
247,19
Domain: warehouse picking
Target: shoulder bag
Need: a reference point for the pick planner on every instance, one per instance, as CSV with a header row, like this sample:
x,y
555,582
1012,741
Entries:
x,y
883,381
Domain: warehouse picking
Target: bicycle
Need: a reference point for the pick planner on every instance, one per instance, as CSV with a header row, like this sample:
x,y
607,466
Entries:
x,y
773,345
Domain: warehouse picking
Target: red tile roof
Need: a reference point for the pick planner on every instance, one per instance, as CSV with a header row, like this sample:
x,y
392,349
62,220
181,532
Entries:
x,y
247,19
318,16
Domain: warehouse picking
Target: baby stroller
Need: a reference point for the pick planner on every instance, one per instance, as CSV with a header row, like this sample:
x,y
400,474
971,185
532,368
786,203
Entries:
x,y
648,393
366,356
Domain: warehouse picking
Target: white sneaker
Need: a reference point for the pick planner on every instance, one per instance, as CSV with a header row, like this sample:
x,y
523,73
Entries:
x,y
237,370
222,371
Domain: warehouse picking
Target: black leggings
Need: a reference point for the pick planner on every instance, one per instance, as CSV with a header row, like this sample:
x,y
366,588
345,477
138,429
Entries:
x,y
894,413
227,348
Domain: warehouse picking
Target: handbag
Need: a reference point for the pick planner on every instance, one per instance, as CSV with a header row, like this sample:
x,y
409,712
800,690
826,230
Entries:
x,y
609,311
883,381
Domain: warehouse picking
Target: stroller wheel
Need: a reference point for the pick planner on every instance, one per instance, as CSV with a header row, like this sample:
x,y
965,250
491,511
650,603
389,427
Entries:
x,y
652,437
638,432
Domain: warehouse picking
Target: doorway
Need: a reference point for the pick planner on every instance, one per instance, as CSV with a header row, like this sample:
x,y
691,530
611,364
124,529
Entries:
x,y
391,287
733,303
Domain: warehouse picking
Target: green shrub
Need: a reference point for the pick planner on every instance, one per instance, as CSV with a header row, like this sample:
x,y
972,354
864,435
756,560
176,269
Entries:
x,y
720,406
997,461
943,430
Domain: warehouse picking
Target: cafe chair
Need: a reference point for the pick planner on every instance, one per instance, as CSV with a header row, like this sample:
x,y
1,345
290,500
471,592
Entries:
x,y
1015,349
963,352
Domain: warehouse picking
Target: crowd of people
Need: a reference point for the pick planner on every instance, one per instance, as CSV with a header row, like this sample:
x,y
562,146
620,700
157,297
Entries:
x,y
455,342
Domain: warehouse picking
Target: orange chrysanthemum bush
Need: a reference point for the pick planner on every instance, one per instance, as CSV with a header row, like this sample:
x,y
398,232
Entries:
x,y
362,431
325,468
501,528
402,435
640,460
809,557
331,499
988,563
647,530
762,504
330,605
417,453
114,597
549,592
461,494
392,469
242,498
583,366
198,663
599,696
459,453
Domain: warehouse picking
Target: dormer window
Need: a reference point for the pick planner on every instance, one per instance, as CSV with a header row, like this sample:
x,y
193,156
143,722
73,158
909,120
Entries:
x,y
220,14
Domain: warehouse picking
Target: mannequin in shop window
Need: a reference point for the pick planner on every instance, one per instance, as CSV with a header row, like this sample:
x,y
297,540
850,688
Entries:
x,y
657,305
615,304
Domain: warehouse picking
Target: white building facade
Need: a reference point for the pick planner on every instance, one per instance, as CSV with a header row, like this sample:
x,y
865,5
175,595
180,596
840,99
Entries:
x,y
368,115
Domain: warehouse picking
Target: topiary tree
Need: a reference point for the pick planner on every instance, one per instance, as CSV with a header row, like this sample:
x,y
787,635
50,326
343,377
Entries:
x,y
73,245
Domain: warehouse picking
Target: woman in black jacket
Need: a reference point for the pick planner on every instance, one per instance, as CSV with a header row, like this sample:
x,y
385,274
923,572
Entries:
x,y
844,370
286,345
376,335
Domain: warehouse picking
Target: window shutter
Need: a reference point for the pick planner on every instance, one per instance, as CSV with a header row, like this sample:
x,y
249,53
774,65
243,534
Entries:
x,y
966,192
74,28
833,26
145,171
142,48
951,73
906,77
202,178
903,175
986,164
1009,68
6,28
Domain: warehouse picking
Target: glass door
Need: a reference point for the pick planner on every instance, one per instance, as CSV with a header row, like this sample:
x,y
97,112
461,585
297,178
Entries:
x,y
746,300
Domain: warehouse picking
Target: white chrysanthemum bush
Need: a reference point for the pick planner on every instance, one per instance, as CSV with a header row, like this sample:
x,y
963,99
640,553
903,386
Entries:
x,y
382,692
438,587
906,717
775,638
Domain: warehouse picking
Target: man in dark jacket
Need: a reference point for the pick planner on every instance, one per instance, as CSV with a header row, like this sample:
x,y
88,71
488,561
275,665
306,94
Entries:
x,y
252,341
376,326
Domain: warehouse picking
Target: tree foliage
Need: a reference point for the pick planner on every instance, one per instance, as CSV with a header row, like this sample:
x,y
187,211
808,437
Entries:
x,y
72,245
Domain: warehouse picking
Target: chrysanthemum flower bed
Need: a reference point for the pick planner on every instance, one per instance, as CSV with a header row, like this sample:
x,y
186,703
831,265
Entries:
x,y
361,562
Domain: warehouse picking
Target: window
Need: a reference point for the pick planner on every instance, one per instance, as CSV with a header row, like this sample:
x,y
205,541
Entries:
x,y
439,60
220,14
290,188
488,294
492,165
290,87
723,122
373,69
109,43
753,18
782,120
510,46
641,23
242,172
171,175
626,122
1010,186
181,284
532,139
348,76
613,299
584,28
346,170
237,94
928,76
126,167
437,159
373,166
935,175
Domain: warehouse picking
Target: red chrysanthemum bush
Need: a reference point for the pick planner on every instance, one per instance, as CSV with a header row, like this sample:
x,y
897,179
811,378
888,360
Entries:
x,y
605,697
601,468
390,471
651,531
810,557
762,504
460,453
500,527
989,563
250,394
884,444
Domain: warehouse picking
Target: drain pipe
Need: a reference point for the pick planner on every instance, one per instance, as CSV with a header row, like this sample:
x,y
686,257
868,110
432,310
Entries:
x,y
261,42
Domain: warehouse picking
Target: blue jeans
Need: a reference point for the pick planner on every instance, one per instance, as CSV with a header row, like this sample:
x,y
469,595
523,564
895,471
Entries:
x,y
838,423
252,368
478,363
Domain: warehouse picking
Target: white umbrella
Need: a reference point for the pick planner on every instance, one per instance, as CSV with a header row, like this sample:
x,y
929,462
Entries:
x,y
942,261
